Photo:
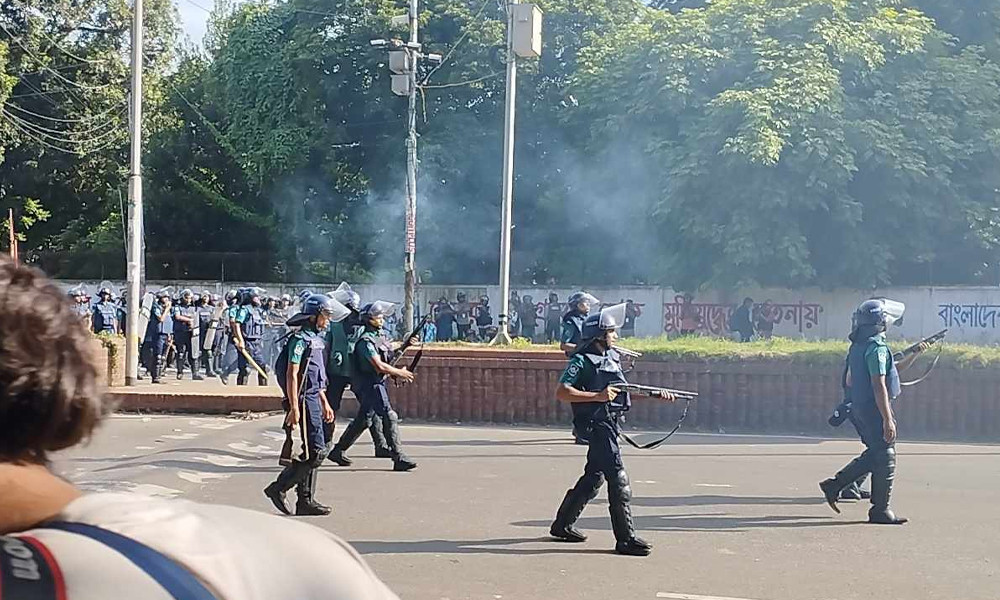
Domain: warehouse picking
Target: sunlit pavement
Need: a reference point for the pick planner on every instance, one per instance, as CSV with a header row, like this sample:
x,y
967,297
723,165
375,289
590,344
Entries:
x,y
729,516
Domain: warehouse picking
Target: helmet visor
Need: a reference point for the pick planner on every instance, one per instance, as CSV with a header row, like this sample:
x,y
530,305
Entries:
x,y
613,317
893,311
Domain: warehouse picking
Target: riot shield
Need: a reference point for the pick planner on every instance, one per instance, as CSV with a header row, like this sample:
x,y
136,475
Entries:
x,y
145,310
195,336
214,325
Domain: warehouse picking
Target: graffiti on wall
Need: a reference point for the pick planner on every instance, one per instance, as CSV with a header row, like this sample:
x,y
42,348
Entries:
x,y
684,315
976,316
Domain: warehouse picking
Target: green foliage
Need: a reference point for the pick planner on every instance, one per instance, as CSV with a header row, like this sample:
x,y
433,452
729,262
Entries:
x,y
770,142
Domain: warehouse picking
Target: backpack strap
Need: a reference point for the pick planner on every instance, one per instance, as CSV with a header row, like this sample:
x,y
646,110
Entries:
x,y
176,580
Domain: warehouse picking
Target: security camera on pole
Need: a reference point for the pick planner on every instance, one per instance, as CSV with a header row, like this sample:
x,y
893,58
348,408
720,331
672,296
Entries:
x,y
524,39
403,59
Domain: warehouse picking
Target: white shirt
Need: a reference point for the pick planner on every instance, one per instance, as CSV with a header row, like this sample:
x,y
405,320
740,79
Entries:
x,y
239,554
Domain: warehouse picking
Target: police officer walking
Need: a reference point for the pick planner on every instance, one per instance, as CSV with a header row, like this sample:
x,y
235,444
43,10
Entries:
x,y
301,373
371,365
872,382
206,314
158,331
247,334
587,384
185,316
579,304
106,314
340,340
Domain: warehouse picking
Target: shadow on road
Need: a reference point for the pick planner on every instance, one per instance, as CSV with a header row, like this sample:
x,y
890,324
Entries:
x,y
712,500
702,522
497,546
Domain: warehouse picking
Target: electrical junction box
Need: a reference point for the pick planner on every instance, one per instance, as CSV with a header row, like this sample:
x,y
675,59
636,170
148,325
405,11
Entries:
x,y
399,62
527,35
401,85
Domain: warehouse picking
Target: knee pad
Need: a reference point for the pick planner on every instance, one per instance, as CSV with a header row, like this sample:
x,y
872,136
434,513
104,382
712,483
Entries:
x,y
619,490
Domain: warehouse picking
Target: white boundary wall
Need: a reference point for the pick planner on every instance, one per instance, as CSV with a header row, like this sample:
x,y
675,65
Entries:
x,y
971,313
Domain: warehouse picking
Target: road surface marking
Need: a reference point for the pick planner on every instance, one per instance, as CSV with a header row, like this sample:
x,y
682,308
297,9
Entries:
x,y
713,485
181,436
222,461
251,448
198,477
673,596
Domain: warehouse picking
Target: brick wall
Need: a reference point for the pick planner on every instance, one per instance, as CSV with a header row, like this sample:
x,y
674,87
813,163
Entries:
x,y
761,397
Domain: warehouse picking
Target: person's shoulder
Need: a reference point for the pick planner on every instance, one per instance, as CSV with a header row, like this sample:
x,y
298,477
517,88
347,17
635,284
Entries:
x,y
239,552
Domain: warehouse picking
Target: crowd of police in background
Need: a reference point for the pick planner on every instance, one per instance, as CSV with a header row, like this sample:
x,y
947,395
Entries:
x,y
177,331
538,322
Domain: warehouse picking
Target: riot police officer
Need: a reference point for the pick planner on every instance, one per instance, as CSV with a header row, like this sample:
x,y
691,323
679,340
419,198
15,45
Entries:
x,y
872,382
247,335
587,383
230,352
158,331
579,304
106,314
301,373
340,340
185,316
371,367
206,314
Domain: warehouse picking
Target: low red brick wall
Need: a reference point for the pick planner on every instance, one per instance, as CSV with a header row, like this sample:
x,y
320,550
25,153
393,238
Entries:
x,y
757,397
518,387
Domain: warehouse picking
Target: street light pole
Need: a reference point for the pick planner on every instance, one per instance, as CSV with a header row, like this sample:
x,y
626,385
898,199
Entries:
x,y
409,260
503,335
134,248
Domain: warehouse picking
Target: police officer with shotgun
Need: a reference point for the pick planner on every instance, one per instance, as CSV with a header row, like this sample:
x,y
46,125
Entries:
x,y
588,385
301,373
872,382
372,367
340,340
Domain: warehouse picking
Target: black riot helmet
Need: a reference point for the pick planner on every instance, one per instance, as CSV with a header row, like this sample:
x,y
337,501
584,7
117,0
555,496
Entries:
x,y
584,298
316,304
878,312
377,309
346,296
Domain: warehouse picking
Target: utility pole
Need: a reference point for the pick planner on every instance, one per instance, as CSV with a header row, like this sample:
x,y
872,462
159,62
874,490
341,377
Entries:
x,y
409,260
507,203
404,58
134,248
524,38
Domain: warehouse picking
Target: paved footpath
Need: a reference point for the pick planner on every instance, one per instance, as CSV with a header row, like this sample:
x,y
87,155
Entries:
x,y
730,516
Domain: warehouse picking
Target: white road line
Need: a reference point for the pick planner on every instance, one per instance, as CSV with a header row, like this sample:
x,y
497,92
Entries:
x,y
251,448
673,596
181,436
222,460
199,477
713,485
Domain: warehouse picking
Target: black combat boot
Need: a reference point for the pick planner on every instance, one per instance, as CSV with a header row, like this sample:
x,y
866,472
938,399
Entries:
x,y
883,474
400,462
627,542
853,471
287,479
572,507
378,438
354,430
619,496
307,506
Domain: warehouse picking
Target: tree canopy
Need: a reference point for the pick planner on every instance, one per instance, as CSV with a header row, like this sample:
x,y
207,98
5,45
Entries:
x,y
689,143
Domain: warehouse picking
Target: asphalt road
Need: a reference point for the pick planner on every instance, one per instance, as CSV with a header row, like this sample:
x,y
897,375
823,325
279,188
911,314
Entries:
x,y
729,516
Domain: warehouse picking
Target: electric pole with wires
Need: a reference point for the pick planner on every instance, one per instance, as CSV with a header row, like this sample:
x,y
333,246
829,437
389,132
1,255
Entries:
x,y
404,58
